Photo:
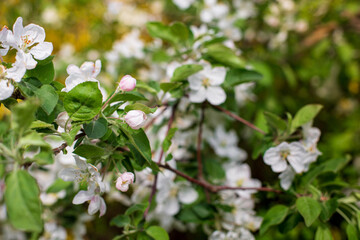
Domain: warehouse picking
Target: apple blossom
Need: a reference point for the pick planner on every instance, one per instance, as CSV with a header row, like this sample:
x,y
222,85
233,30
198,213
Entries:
x,y
4,47
205,85
127,83
135,119
225,144
88,71
124,180
279,156
63,119
23,40
183,4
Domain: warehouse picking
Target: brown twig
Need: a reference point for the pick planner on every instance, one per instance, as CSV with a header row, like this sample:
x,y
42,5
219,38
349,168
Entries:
x,y
236,117
214,188
64,145
153,189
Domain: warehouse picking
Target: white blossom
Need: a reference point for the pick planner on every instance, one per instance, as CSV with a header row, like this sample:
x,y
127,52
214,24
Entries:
x,y
205,85
225,144
88,71
29,42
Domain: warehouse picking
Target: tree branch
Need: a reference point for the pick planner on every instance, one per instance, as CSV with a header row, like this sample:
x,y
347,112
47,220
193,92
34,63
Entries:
x,y
236,117
64,145
214,188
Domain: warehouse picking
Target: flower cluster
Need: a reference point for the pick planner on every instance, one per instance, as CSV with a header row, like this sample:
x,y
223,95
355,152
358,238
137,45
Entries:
x,y
30,47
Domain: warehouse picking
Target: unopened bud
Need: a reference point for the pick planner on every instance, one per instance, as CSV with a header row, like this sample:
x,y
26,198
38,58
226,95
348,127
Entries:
x,y
123,182
135,118
127,83
61,120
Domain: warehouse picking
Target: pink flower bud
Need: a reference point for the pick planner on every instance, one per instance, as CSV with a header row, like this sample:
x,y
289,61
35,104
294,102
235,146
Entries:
x,y
135,118
127,83
61,120
123,182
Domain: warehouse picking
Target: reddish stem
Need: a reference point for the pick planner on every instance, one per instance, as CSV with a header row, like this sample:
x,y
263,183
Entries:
x,y
236,117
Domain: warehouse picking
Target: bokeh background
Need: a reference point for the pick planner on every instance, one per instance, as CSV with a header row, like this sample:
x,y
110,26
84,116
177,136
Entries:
x,y
308,52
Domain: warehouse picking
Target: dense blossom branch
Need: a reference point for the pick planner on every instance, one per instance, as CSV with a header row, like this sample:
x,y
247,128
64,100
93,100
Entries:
x,y
236,117
214,188
153,189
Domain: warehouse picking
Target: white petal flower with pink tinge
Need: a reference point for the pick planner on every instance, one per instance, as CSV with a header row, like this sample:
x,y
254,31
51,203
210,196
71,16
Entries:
x,y
29,41
124,180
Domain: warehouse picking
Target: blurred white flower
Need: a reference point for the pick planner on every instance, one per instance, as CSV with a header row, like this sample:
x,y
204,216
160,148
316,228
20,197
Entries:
x,y
225,144
213,10
183,4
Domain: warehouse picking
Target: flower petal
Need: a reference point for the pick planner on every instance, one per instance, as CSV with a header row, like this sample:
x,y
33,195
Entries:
x,y
216,75
286,178
187,194
215,95
195,81
82,197
6,89
18,32
197,96
35,33
42,50
68,174
94,205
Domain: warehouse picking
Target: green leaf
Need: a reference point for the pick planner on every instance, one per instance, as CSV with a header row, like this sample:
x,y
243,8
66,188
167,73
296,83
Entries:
x,y
69,137
128,96
41,124
309,208
273,217
89,151
328,209
84,101
290,222
44,72
323,233
305,115
159,30
23,114
275,121
22,201
184,71
168,86
96,128
48,98
28,86
141,107
157,233
139,140
58,186
136,208
332,165
225,55
45,156
120,221
213,169
33,139
237,76
167,141
351,232
180,30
